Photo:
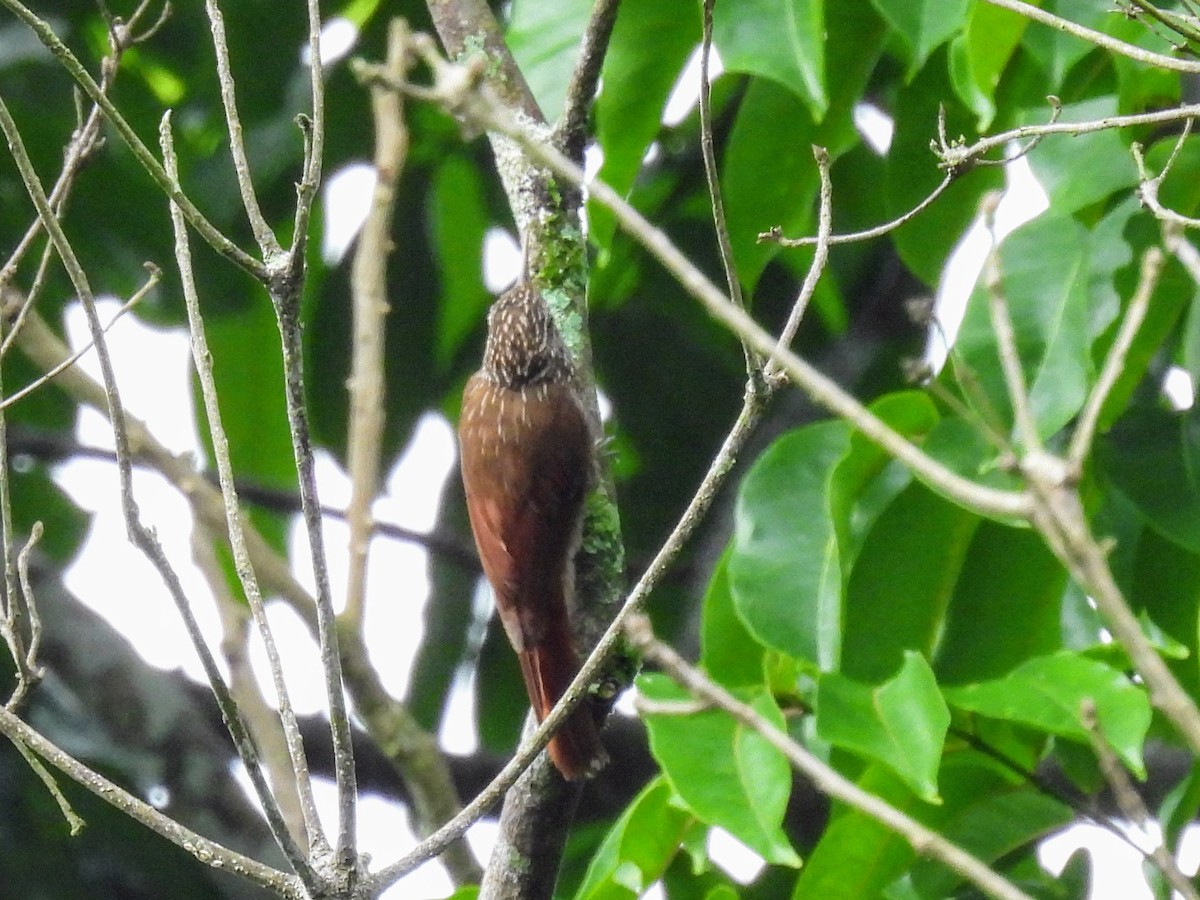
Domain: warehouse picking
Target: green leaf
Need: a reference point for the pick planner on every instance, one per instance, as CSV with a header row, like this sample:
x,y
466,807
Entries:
x,y
901,723
1048,692
923,24
544,39
857,855
1153,456
784,571
727,774
979,55
990,816
728,651
649,44
248,370
995,623
1085,168
1055,50
459,219
926,241
639,846
1045,270
769,177
902,581
783,41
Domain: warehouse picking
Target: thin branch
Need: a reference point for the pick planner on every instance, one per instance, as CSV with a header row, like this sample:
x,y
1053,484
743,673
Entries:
x,y
209,232
828,780
142,536
31,608
151,282
208,852
233,126
463,96
773,372
75,822
264,722
1006,339
721,224
776,235
1099,38
411,750
368,282
1130,804
286,287
570,132
12,604
313,129
1114,362
202,358
1148,187
1059,515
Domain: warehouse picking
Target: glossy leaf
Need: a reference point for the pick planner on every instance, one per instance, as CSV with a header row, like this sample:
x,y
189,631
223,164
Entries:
x,y
979,55
785,572
649,44
728,651
1153,456
783,41
901,723
980,641
725,773
639,846
923,24
1048,692
902,582
544,39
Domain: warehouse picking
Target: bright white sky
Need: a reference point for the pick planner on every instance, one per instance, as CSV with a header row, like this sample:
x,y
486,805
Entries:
x,y
152,370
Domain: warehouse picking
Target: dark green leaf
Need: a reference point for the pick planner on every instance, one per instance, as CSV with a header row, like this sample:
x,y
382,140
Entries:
x,y
727,774
784,572
1048,693
923,24
638,847
729,652
1153,456
544,38
783,41
901,723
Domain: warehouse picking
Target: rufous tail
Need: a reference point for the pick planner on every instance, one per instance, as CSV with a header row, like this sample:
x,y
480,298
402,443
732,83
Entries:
x,y
548,668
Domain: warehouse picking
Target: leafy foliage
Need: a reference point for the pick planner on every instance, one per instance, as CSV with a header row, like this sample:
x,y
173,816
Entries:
x,y
935,657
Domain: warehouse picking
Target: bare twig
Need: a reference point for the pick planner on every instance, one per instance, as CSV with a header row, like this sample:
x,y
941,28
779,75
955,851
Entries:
x,y
868,234
41,380
753,364
312,834
233,126
203,849
263,721
455,88
1059,515
1148,186
209,232
570,132
141,536
1114,362
828,780
1130,803
1006,339
1099,38
774,369
369,293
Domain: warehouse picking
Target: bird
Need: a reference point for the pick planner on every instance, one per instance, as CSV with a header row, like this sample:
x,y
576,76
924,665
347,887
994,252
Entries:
x,y
526,453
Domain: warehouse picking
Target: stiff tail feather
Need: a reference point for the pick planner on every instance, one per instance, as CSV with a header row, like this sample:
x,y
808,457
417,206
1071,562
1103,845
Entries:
x,y
575,749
